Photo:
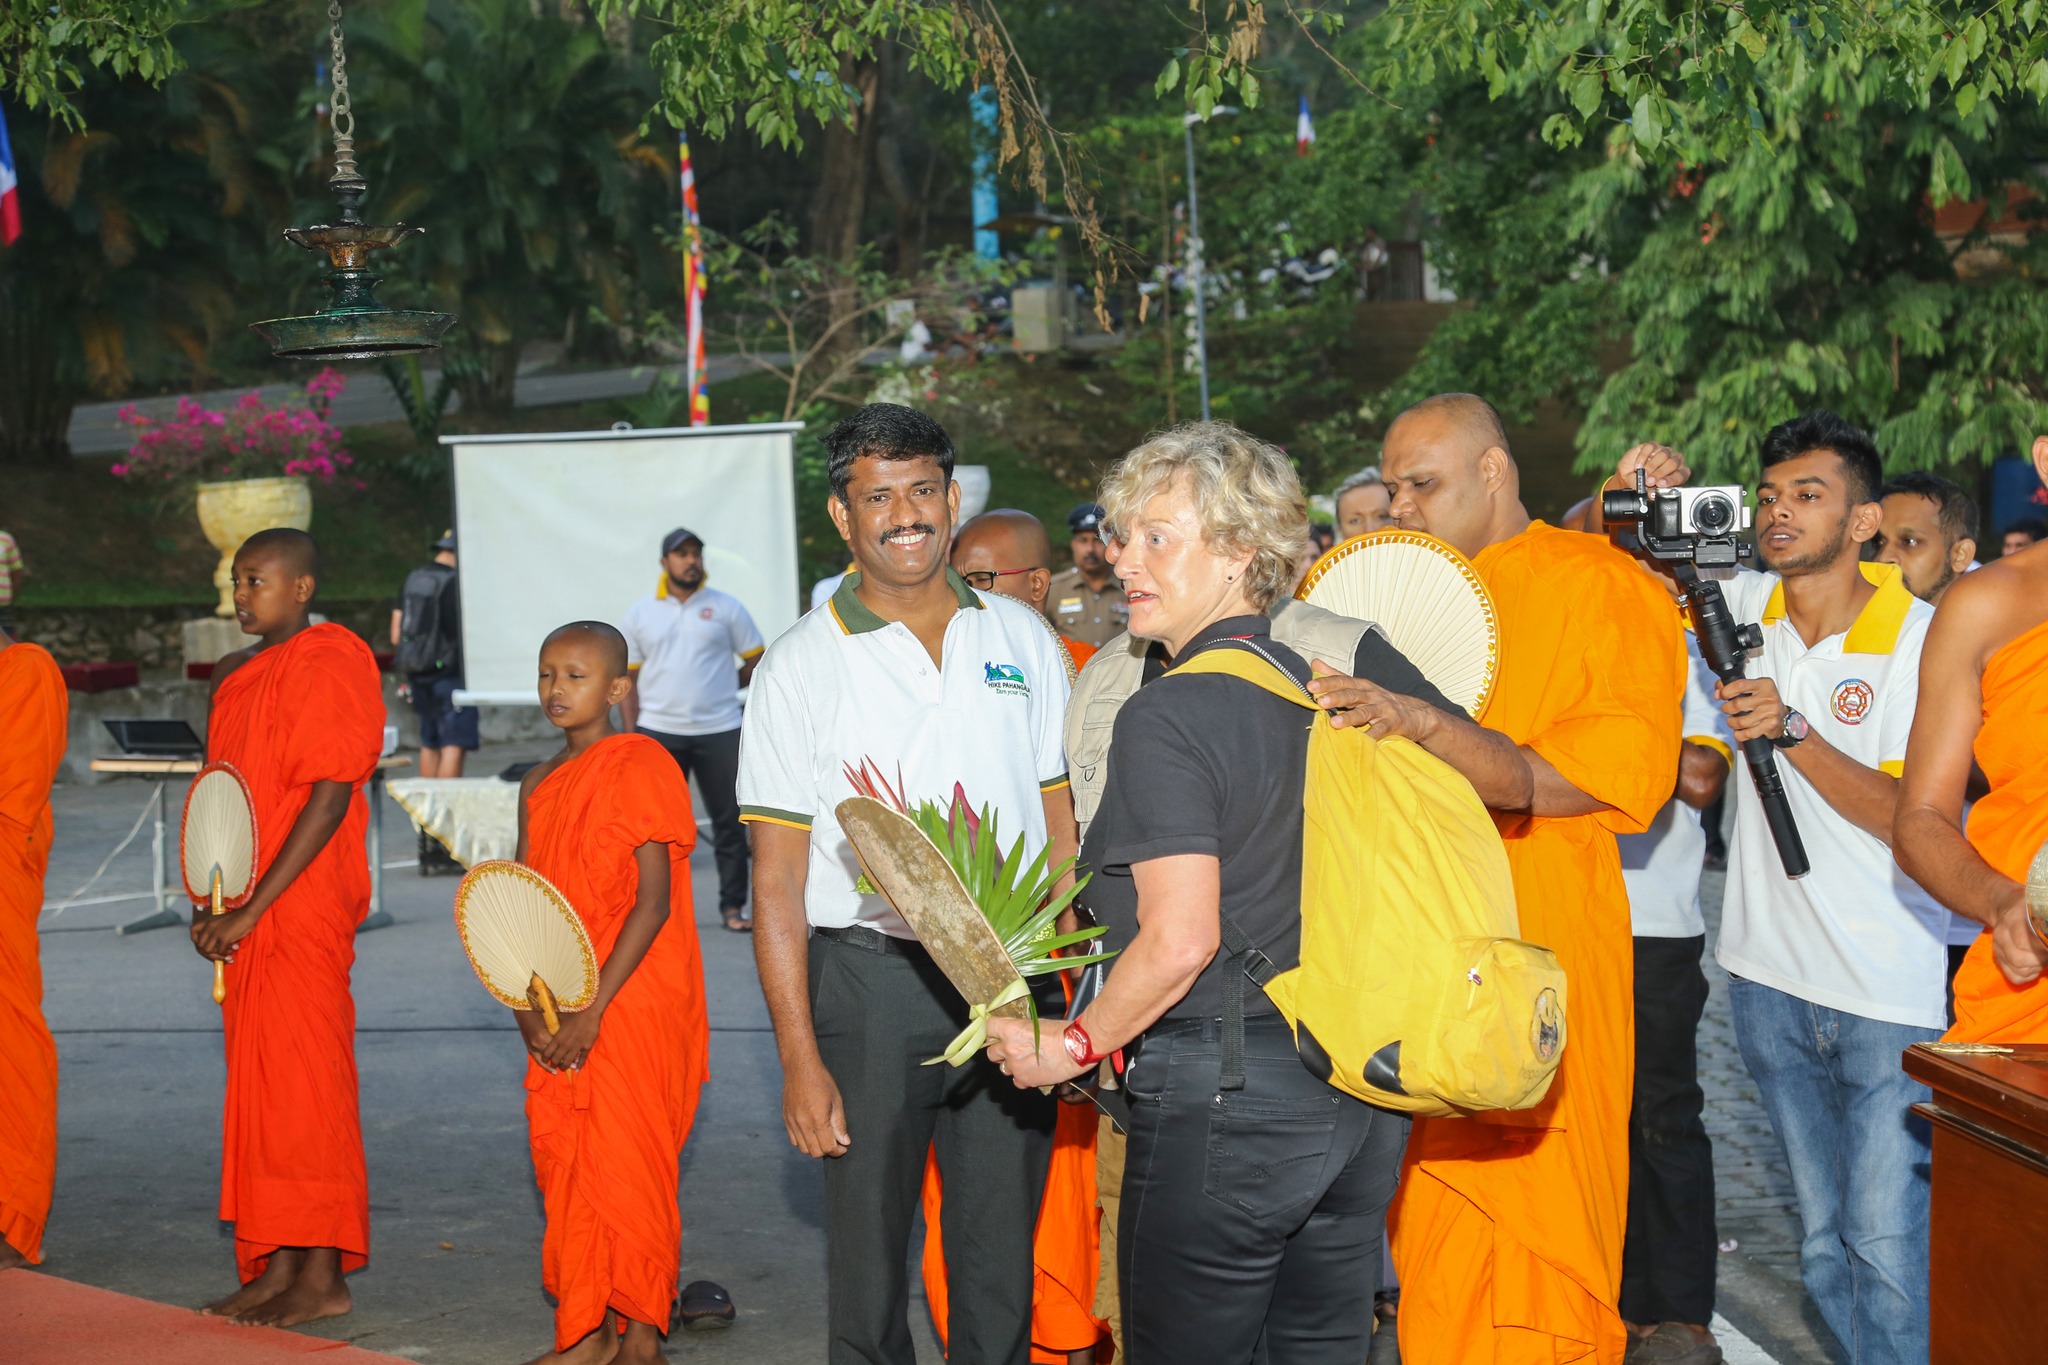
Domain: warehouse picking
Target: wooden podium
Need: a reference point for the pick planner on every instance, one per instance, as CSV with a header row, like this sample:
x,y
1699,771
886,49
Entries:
x,y
1990,1220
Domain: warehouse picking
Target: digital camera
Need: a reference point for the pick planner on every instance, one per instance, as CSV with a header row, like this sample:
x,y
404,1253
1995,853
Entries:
x,y
1701,526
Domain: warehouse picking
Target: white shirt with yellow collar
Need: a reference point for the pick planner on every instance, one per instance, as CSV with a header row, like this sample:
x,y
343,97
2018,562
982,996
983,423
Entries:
x,y
843,686
1855,934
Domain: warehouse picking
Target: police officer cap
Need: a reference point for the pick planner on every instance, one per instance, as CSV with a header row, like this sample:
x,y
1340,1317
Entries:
x,y
446,542
1087,517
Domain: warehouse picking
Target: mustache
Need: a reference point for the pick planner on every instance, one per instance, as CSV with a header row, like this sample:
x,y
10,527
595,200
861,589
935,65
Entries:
x,y
914,528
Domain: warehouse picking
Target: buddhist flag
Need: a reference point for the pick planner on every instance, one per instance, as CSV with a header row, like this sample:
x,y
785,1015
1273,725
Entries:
x,y
698,382
10,189
1304,129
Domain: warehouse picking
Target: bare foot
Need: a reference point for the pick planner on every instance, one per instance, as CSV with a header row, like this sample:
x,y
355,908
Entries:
x,y
9,1257
317,1291
640,1344
275,1279
599,1348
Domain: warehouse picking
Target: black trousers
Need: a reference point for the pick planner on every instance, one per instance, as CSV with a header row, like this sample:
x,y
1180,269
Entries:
x,y
879,1015
1252,1219
714,760
1667,1261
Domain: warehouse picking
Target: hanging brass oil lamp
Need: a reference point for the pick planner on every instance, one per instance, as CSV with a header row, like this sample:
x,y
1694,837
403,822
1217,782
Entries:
x,y
354,326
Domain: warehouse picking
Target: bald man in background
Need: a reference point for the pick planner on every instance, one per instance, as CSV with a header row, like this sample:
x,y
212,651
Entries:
x,y
1009,551
1508,1227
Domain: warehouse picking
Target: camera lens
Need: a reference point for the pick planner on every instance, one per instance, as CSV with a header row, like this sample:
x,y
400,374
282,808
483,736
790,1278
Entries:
x,y
1713,515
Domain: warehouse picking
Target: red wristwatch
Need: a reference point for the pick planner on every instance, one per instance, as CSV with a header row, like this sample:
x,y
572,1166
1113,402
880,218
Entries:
x,y
1080,1046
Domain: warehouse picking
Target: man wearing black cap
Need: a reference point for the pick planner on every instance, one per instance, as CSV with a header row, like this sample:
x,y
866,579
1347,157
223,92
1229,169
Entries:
x,y
1087,601
426,632
690,649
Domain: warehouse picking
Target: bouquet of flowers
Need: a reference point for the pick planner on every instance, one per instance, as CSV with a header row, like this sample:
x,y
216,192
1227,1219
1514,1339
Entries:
x,y
254,439
1018,907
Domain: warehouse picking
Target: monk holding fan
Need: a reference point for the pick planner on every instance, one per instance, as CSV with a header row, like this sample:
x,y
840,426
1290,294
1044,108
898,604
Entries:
x,y
1508,1227
300,715
611,1094
36,706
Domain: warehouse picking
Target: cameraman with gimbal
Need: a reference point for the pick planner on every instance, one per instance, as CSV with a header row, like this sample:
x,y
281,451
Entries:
x,y
1836,972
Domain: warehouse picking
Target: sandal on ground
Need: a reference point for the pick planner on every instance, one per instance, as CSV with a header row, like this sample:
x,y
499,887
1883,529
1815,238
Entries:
x,y
704,1307
738,922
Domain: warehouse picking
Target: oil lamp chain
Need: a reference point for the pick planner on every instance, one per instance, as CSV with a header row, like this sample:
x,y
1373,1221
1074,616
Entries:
x,y
344,119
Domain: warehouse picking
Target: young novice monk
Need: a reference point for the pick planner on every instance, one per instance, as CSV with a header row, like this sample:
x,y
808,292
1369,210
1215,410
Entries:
x,y
35,704
610,1097
301,715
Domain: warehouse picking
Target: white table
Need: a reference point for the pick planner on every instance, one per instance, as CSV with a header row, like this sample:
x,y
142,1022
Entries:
x,y
162,770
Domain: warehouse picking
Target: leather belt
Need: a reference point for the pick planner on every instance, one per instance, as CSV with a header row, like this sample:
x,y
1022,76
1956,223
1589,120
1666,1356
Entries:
x,y
872,941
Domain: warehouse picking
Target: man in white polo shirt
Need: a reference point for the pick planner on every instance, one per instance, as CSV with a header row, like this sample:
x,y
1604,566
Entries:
x,y
1667,1261
907,667
1838,972
690,649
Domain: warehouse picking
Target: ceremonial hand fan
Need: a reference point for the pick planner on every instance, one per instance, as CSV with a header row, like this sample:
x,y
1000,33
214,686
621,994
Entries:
x,y
217,848
527,945
1426,597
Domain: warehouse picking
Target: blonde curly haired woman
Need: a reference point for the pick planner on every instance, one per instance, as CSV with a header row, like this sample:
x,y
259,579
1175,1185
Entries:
x,y
1252,1206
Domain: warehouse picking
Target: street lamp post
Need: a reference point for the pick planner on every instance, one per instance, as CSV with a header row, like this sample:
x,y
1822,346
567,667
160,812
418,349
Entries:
x,y
1195,266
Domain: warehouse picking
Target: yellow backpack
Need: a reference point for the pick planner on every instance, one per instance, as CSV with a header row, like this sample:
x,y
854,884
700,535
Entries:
x,y
1414,992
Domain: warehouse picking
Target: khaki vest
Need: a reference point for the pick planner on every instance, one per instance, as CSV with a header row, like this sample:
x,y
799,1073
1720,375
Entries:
x,y
1119,667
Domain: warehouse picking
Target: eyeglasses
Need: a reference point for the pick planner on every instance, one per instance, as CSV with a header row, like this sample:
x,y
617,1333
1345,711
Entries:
x,y
984,580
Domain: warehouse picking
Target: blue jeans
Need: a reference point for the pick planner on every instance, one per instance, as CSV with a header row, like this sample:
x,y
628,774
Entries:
x,y
1832,1084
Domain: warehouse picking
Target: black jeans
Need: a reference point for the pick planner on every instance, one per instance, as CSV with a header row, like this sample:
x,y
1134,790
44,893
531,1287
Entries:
x,y
879,1015
1667,1261
714,760
1252,1219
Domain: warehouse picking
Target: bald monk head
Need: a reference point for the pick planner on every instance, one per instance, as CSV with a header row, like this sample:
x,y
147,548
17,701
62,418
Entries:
x,y
276,573
582,677
1006,551
1447,466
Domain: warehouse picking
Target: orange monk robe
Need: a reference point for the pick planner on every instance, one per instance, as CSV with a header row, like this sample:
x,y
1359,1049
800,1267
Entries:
x,y
607,1137
35,705
1507,1230
1080,651
308,710
2007,828
1064,1253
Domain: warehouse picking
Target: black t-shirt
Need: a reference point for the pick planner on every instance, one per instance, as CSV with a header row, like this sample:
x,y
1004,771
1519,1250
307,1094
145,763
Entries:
x,y
1211,765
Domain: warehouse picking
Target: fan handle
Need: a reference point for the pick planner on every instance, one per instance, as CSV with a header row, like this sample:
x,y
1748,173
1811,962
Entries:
x,y
541,998
220,969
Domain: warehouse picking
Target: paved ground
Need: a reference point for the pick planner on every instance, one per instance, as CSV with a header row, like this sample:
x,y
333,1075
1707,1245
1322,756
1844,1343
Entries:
x,y
456,1270
457,1223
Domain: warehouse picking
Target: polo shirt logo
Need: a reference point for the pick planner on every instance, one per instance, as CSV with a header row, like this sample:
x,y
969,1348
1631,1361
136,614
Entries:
x,y
1005,678
1851,702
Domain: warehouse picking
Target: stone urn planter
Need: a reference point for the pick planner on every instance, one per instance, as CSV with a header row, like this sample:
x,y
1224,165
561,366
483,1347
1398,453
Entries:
x,y
229,513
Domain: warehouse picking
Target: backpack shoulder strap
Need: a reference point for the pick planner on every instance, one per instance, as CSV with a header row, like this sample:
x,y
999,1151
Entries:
x,y
1245,661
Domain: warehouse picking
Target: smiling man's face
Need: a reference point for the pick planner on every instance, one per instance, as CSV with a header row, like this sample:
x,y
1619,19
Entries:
x,y
897,518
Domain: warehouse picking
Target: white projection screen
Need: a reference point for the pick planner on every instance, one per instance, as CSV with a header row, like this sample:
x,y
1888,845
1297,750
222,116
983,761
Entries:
x,y
567,526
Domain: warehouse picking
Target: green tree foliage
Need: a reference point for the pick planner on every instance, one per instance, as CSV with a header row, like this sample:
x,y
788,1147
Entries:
x,y
139,228
42,46
1693,224
510,137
